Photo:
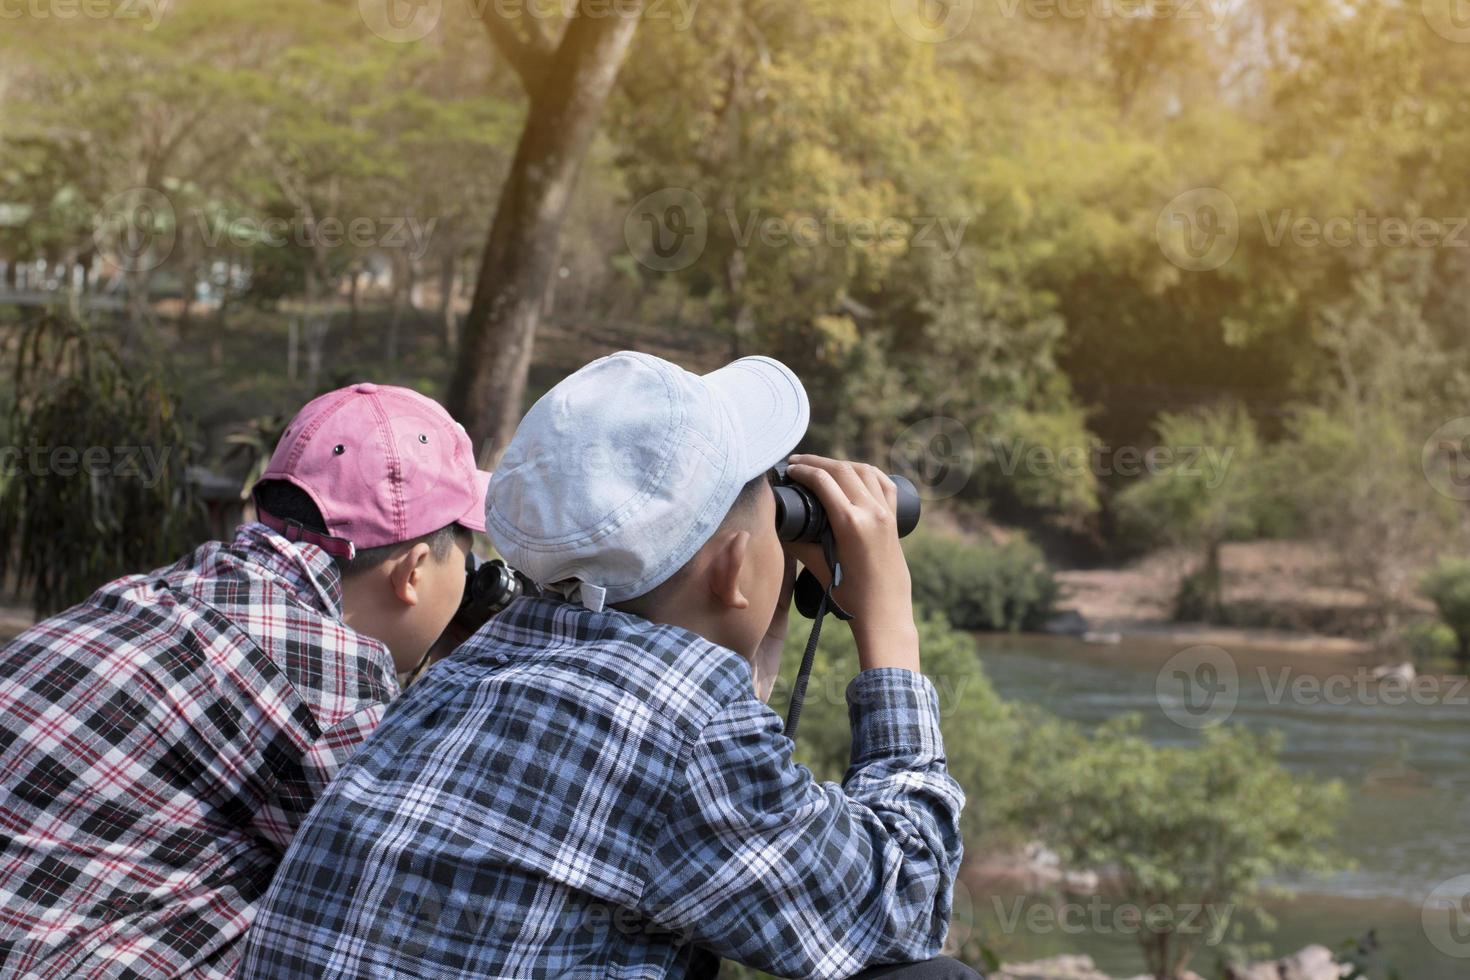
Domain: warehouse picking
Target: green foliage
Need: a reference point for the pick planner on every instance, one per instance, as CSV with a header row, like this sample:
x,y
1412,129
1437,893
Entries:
x,y
96,486
985,737
1429,643
1183,827
1002,587
1206,491
1448,587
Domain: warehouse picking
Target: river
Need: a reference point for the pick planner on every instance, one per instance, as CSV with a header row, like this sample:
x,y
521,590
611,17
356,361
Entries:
x,y
1403,752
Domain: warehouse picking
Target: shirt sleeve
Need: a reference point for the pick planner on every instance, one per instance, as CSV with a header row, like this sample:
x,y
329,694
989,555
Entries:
x,y
294,797
765,866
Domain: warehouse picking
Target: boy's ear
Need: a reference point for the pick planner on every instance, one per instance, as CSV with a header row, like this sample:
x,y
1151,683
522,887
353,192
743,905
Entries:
x,y
406,573
724,569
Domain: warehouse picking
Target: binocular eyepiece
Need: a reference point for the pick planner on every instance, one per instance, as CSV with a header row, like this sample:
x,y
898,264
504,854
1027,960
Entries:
x,y
489,587
800,516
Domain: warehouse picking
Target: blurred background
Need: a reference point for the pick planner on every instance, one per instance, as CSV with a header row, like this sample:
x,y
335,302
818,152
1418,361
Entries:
x,y
1163,303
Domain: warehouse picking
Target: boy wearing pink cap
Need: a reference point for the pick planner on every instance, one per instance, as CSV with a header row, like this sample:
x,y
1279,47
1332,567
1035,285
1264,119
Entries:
x,y
161,742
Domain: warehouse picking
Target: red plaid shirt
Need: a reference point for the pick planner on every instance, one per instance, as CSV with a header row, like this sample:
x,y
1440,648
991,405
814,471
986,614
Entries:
x,y
159,745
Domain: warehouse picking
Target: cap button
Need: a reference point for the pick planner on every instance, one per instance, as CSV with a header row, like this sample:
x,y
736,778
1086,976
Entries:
x,y
366,388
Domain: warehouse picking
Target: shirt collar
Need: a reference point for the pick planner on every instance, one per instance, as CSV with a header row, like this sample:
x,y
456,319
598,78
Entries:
x,y
310,571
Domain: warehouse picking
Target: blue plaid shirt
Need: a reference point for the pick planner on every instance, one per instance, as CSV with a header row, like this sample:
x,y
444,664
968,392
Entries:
x,y
588,794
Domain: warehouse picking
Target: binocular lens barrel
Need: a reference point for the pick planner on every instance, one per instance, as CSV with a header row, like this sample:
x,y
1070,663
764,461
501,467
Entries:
x,y
800,517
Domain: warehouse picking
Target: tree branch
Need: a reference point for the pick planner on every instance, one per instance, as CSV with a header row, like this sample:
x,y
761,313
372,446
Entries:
x,y
523,41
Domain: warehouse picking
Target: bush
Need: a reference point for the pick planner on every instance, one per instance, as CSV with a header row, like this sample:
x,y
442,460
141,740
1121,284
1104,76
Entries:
x,y
984,736
1448,587
1183,828
88,505
982,587
1428,643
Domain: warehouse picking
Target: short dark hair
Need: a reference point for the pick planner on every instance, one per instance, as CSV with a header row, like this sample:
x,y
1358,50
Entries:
x,y
745,503
290,503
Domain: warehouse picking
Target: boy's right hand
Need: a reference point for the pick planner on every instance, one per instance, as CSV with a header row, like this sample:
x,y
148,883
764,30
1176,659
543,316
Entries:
x,y
860,502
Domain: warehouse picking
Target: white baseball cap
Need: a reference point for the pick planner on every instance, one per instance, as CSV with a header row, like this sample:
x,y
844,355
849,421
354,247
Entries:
x,y
620,473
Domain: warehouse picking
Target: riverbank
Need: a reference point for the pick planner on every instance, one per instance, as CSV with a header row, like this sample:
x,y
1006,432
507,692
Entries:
x,y
1282,596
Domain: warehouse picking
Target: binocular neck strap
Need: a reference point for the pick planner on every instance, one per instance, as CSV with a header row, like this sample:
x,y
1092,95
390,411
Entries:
x,y
809,656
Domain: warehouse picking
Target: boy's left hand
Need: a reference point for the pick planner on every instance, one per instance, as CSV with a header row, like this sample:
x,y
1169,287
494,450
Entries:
x,y
767,665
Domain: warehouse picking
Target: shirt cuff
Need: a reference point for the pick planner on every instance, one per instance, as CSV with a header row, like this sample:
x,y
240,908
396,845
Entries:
x,y
893,712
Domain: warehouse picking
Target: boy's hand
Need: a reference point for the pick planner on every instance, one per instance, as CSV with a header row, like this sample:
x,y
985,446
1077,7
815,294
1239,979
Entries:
x,y
860,502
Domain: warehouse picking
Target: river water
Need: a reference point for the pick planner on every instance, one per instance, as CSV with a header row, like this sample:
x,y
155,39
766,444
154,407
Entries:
x,y
1403,752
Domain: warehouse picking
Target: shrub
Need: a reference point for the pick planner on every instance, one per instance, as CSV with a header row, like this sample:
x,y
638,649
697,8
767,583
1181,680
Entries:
x,y
1183,828
103,489
982,587
1448,587
1428,643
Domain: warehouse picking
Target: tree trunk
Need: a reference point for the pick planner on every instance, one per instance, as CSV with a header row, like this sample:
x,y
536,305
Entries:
x,y
499,332
447,268
1463,655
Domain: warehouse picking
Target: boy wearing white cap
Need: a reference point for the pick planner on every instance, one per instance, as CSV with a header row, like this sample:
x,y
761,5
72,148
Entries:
x,y
592,785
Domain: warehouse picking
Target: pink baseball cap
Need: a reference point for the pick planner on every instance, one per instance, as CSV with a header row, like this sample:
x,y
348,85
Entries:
x,y
383,464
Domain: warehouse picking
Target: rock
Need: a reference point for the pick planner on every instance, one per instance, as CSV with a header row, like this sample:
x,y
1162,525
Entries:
x,y
1055,968
1395,672
1068,622
1040,857
1313,963
1080,882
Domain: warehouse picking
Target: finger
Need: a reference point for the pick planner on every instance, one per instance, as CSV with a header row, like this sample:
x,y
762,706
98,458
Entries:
x,y
831,496
875,479
845,474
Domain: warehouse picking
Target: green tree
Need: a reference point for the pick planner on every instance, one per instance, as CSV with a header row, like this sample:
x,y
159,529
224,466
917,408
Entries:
x,y
1183,829
1448,587
1206,492
98,485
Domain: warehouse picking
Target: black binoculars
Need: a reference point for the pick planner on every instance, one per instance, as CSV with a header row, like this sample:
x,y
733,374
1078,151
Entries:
x,y
800,517
489,587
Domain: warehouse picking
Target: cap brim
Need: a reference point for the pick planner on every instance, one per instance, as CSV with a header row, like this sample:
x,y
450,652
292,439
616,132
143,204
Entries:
x,y
769,403
474,518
